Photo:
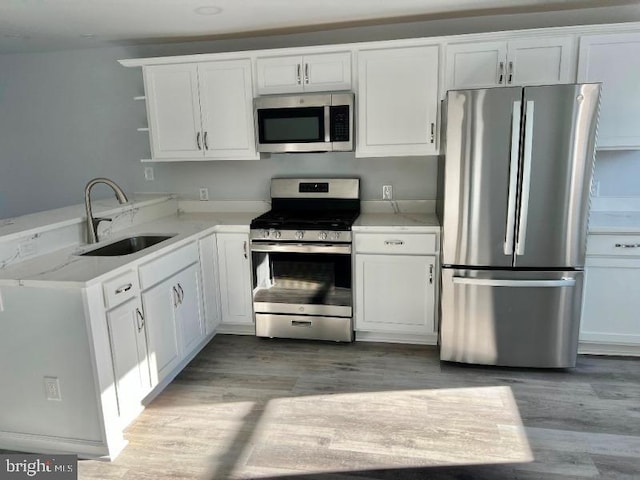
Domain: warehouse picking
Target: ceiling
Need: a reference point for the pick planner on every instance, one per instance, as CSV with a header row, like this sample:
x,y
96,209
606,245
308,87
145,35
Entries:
x,y
42,25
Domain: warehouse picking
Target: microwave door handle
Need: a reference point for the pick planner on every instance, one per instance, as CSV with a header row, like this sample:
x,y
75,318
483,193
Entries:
x,y
327,123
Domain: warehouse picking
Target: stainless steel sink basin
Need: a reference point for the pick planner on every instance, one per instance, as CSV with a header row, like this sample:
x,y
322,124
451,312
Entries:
x,y
127,246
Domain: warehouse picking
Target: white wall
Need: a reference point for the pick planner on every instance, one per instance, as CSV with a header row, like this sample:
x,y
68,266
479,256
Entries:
x,y
66,117
618,173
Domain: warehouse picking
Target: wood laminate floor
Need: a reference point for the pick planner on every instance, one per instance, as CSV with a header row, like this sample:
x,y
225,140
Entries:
x,y
268,408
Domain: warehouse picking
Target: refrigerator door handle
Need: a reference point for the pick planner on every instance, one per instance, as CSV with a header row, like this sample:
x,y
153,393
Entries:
x,y
493,282
526,177
513,177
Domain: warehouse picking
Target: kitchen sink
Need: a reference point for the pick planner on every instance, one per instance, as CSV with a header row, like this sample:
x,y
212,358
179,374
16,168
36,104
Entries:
x,y
127,246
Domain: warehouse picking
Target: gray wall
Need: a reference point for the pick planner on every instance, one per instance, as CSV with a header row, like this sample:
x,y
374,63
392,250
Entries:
x,y
66,117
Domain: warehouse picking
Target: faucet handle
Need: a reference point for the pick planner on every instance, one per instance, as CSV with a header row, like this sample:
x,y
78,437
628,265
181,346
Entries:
x,y
98,220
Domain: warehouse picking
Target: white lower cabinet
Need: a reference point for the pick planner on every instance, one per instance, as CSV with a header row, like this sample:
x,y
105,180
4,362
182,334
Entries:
x,y
173,309
210,283
127,337
236,302
611,304
395,287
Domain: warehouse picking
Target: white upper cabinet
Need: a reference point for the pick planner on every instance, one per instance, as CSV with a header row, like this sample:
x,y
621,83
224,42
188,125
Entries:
x,y
308,73
528,61
397,101
173,109
201,111
614,60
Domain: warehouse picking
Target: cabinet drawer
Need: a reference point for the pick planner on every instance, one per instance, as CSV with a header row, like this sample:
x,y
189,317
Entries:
x,y
390,243
163,267
120,289
614,245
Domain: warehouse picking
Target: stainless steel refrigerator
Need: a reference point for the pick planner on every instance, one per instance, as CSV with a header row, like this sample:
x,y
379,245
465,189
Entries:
x,y
516,179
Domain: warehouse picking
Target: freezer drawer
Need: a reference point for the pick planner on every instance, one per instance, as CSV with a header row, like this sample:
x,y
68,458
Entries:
x,y
510,318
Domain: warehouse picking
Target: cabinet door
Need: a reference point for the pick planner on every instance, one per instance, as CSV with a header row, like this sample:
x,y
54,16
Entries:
x,y
173,111
279,75
540,61
160,304
129,354
611,307
226,99
328,71
476,65
395,293
235,278
189,311
210,286
613,60
397,101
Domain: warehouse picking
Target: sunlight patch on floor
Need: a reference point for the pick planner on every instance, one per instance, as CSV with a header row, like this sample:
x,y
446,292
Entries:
x,y
360,431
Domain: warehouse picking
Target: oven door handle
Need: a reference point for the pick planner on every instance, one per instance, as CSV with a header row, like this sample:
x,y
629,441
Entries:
x,y
301,247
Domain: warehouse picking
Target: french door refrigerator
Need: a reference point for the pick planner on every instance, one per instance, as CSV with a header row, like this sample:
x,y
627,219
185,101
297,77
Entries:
x,y
516,180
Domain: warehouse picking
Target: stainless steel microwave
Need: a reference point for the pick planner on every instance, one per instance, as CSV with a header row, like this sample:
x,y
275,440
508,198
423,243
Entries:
x,y
314,122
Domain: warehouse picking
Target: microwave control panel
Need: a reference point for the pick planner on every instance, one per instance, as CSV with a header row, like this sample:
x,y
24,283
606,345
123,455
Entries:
x,y
340,124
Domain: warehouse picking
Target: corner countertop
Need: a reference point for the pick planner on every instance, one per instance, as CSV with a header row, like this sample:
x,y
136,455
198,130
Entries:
x,y
614,222
66,268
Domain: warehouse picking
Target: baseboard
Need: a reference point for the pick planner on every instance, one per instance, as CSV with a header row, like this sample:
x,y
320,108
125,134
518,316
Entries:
x,y
31,443
595,348
429,339
230,328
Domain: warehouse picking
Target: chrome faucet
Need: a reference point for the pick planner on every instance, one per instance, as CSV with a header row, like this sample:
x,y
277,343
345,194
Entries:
x,y
92,223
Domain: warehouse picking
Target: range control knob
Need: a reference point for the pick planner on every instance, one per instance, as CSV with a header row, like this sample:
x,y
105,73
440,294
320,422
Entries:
x,y
299,234
276,234
265,233
322,235
335,235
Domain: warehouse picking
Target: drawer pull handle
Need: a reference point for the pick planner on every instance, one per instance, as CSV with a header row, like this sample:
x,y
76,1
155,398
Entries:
x,y
627,245
431,274
394,242
124,288
299,323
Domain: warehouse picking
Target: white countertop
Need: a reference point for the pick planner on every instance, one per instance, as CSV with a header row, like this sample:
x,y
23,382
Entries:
x,y
614,222
65,268
404,222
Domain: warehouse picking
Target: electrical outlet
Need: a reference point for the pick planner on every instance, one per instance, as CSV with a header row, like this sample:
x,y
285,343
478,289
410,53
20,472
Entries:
x,y
204,194
52,388
148,173
387,192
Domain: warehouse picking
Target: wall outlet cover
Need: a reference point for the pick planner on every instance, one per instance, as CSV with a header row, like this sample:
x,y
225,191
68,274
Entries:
x,y
52,388
387,192
148,173
204,194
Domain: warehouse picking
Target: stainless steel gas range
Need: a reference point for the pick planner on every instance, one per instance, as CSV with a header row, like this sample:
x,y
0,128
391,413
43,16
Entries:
x,y
301,253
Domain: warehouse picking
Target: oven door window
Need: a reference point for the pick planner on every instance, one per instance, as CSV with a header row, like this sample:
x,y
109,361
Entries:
x,y
291,125
302,283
